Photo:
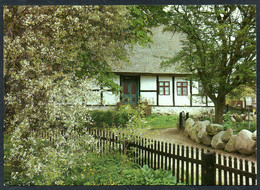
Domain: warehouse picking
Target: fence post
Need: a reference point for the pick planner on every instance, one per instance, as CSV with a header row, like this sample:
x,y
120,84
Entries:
x,y
187,115
208,168
181,121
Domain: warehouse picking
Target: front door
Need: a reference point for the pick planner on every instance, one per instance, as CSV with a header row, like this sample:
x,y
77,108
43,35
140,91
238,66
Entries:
x,y
130,90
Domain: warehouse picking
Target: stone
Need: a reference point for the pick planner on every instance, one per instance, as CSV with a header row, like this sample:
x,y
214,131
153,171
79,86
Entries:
x,y
193,135
233,119
244,143
217,142
201,125
206,139
188,126
254,135
243,116
226,136
214,129
230,146
238,118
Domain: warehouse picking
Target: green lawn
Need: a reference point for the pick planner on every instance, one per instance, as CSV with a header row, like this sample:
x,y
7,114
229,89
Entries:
x,y
162,121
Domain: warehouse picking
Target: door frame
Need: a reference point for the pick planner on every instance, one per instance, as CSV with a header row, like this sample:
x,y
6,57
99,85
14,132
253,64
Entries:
x,y
134,77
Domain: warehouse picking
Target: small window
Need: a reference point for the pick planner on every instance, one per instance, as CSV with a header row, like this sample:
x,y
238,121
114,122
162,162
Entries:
x,y
164,88
182,88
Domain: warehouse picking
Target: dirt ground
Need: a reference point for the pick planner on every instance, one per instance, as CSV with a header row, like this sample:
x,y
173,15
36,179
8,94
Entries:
x,y
174,136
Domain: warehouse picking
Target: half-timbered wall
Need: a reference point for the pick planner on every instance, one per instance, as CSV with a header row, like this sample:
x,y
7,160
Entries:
x,y
148,89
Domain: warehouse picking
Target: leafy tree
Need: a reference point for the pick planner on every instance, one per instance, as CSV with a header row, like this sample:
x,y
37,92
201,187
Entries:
x,y
220,47
43,44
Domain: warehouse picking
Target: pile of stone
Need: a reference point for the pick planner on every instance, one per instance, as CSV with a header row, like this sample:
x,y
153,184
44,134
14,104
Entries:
x,y
242,117
214,135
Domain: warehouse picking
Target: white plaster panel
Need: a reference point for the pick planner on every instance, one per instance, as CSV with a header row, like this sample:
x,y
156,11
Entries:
x,y
116,80
210,103
198,100
94,98
166,99
181,100
177,110
150,97
109,98
195,87
148,83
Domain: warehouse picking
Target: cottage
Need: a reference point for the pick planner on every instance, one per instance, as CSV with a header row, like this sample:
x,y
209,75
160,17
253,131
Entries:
x,y
165,89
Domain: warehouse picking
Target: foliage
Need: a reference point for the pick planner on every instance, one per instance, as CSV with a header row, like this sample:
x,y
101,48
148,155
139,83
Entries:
x,y
220,43
161,121
112,118
238,126
67,166
46,45
148,176
135,126
37,161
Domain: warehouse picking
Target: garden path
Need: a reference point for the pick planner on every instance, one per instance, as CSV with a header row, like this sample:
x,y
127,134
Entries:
x,y
174,136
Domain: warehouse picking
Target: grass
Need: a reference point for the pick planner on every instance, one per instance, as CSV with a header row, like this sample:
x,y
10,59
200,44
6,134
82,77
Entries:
x,y
162,121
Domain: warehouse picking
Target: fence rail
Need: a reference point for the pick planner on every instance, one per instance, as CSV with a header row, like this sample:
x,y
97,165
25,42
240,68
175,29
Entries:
x,y
192,166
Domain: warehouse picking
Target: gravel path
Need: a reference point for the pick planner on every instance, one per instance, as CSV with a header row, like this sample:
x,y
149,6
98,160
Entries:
x,y
172,135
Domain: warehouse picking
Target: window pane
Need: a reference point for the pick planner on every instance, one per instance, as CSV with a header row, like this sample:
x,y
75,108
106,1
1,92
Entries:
x,y
161,90
167,90
161,83
179,91
185,84
133,88
185,91
167,83
178,84
125,88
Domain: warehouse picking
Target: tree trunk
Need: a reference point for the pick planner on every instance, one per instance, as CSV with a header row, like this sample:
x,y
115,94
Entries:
x,y
219,110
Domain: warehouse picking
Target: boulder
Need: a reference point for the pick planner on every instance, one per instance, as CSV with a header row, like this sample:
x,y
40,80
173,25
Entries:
x,y
193,135
233,119
217,142
226,136
214,129
243,116
188,126
201,125
237,117
254,135
206,139
244,143
230,146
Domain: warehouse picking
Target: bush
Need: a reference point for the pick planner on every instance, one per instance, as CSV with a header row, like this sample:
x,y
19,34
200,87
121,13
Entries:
x,y
69,166
113,118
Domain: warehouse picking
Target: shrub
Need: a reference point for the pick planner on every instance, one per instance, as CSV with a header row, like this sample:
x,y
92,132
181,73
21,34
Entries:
x,y
113,118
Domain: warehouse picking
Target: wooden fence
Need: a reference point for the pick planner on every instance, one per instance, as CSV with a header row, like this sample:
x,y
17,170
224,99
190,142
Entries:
x,y
191,166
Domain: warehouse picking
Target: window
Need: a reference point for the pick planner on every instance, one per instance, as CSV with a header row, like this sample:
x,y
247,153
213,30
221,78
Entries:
x,y
164,88
182,88
201,90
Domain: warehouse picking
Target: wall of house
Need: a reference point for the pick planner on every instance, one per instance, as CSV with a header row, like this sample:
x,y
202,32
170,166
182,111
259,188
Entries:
x,y
148,92
110,98
177,110
166,100
148,89
181,100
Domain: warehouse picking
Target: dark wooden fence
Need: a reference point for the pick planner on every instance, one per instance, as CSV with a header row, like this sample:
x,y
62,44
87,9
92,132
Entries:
x,y
232,109
191,166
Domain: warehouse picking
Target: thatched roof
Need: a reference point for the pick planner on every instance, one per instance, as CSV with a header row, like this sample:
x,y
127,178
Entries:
x,y
146,60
